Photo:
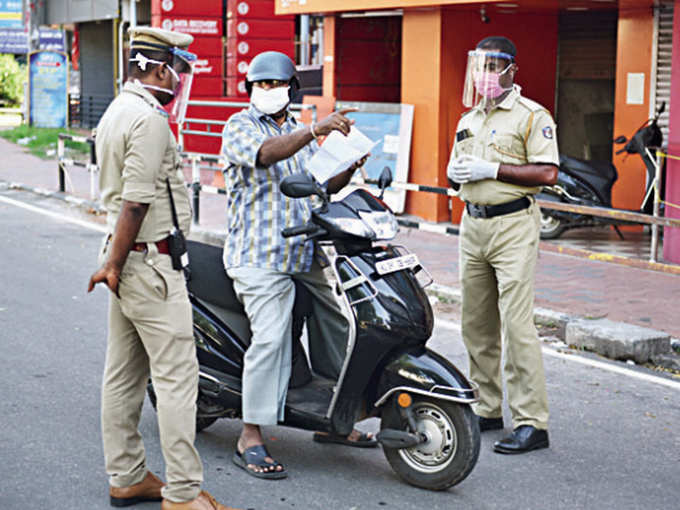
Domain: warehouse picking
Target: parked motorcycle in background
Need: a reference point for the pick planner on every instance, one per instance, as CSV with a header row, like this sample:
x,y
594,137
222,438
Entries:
x,y
590,183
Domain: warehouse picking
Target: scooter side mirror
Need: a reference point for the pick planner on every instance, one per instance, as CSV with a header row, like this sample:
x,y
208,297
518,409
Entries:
x,y
385,180
301,186
620,139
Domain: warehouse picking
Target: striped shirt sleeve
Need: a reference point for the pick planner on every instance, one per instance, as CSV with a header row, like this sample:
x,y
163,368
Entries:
x,y
241,141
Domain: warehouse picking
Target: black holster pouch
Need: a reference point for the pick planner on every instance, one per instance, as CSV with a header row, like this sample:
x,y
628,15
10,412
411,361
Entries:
x,y
177,244
178,249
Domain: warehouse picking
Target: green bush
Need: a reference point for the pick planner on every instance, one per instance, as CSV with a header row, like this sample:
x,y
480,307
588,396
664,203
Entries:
x,y
12,76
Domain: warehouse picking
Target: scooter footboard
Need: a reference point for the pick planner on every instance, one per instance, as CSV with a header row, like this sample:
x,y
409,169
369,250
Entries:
x,y
427,373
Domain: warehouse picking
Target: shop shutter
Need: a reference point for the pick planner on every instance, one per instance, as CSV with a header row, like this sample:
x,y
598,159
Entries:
x,y
664,47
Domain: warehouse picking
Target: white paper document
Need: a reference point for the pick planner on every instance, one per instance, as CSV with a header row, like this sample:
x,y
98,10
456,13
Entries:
x,y
338,152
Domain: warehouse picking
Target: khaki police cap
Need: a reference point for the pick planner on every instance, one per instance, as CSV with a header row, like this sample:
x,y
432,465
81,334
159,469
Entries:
x,y
153,38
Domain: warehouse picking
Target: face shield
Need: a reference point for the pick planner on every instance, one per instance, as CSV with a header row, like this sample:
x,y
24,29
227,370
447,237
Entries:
x,y
182,69
483,74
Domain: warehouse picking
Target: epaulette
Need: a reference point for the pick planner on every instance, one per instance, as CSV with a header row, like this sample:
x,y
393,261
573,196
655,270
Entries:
x,y
532,106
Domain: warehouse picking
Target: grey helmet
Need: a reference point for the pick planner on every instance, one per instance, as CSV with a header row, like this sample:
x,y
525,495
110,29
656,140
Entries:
x,y
273,65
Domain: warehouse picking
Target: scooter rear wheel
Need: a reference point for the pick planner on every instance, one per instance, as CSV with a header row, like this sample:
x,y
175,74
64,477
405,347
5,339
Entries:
x,y
551,227
202,422
450,452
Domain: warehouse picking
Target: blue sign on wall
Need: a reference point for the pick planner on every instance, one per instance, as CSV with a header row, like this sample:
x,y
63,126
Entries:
x,y
13,40
10,14
391,124
48,89
51,39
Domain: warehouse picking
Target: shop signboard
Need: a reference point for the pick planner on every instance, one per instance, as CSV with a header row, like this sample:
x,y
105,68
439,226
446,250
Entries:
x,y
211,8
263,9
51,39
208,66
13,40
48,89
262,29
238,47
193,26
10,14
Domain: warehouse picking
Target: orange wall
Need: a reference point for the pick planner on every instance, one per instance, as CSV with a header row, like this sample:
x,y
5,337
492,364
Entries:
x,y
634,55
435,45
329,56
421,86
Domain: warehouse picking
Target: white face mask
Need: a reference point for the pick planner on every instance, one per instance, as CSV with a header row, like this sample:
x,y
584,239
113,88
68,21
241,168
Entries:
x,y
270,101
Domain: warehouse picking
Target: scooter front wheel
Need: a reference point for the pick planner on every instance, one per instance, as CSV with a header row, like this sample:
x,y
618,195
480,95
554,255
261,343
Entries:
x,y
450,450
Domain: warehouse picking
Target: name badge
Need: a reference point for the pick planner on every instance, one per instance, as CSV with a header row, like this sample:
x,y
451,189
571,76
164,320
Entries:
x,y
463,134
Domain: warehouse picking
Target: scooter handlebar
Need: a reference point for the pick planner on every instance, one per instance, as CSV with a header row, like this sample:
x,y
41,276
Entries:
x,y
298,230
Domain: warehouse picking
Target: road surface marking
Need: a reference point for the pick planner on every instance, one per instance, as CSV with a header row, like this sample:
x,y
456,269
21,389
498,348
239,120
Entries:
x,y
550,351
62,217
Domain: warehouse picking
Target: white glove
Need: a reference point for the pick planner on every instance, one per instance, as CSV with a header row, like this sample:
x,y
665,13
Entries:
x,y
468,168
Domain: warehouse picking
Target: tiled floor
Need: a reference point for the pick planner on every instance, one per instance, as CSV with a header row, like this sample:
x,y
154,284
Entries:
x,y
636,244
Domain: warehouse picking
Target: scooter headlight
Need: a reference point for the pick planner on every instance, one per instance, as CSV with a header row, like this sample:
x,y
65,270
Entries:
x,y
383,223
354,226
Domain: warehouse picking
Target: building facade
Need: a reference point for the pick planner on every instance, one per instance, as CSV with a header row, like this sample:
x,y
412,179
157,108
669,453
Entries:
x,y
600,66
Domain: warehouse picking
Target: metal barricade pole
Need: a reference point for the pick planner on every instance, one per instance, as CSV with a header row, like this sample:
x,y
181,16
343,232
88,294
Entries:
x,y
60,162
654,248
196,187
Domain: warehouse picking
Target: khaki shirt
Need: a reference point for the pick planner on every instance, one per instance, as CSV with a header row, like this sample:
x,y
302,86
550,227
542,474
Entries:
x,y
518,131
136,152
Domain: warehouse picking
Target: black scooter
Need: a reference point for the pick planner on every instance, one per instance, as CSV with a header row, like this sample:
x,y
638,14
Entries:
x,y
429,433
590,183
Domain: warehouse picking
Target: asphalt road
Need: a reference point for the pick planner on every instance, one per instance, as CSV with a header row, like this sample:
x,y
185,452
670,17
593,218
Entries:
x,y
615,439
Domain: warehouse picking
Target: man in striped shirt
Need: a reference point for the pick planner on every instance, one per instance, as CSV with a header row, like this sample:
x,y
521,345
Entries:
x,y
263,144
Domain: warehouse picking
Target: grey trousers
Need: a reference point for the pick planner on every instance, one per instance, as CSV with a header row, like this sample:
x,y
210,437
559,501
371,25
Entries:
x,y
268,297
150,333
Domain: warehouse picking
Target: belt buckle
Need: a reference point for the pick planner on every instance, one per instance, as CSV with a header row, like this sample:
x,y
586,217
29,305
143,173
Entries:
x,y
477,211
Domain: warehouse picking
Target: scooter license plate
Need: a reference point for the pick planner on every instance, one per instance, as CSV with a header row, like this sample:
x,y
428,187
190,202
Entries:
x,y
397,264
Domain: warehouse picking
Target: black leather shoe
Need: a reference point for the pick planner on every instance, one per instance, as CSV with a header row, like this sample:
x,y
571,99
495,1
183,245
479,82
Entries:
x,y
490,423
523,439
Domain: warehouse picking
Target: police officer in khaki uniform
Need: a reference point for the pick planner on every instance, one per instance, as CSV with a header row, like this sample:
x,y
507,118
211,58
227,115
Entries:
x,y
150,322
504,151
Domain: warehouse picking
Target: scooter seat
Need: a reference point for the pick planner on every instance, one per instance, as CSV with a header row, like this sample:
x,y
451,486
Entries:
x,y
209,281
601,169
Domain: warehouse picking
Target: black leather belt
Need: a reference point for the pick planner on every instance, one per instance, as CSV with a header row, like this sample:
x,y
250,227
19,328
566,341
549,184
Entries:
x,y
490,211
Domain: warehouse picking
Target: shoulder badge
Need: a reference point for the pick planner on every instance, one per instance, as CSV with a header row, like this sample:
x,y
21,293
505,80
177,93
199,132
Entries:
x,y
548,132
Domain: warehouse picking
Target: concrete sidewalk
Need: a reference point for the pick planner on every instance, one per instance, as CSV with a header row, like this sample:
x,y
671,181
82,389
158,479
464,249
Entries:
x,y
606,307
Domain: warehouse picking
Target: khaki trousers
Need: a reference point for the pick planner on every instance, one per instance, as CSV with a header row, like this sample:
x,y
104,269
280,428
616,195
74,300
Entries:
x,y
268,297
497,268
150,333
